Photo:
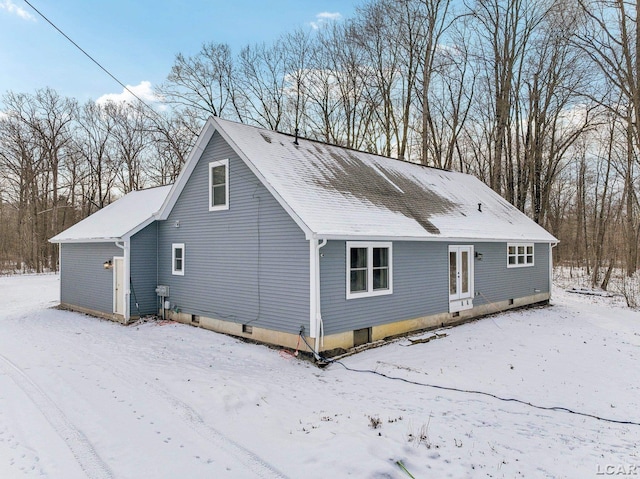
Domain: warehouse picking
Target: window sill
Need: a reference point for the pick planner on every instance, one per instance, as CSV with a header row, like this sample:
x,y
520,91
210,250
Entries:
x,y
218,207
369,294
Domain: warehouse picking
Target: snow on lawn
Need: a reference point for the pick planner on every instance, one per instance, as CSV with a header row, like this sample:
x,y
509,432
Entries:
x,y
83,397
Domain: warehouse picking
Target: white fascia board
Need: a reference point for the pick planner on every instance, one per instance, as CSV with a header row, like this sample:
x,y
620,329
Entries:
x,y
338,237
86,240
309,234
192,160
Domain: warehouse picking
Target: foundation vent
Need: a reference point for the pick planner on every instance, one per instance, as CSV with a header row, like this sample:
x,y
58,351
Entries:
x,y
361,336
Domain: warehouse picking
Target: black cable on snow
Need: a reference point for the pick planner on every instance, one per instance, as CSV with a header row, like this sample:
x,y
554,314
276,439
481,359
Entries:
x,y
470,391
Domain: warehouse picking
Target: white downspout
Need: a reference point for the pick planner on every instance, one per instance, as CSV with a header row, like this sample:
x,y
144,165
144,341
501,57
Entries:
x,y
60,271
316,329
127,284
551,246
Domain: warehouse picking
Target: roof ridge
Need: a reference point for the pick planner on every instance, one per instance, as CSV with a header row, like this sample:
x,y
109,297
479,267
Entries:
x,y
325,143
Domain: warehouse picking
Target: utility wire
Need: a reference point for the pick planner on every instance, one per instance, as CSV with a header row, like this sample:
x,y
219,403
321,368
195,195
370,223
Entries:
x,y
89,56
469,391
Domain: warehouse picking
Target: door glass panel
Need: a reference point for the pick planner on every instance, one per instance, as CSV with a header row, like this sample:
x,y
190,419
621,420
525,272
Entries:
x,y
465,271
453,268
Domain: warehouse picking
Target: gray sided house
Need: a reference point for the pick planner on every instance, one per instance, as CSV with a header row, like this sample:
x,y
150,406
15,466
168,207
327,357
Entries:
x,y
266,236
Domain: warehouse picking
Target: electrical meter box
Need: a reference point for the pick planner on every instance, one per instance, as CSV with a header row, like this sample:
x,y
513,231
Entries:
x,y
162,290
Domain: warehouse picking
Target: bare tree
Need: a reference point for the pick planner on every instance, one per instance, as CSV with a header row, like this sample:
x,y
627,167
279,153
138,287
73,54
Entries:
x,y
131,136
611,40
203,83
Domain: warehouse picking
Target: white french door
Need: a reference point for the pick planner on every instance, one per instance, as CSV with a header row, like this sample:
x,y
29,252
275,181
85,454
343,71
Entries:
x,y
460,278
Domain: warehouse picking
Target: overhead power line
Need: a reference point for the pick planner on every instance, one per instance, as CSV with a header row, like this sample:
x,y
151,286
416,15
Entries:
x,y
89,56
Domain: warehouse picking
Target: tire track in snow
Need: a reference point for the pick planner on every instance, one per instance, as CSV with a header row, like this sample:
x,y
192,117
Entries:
x,y
182,410
186,413
81,448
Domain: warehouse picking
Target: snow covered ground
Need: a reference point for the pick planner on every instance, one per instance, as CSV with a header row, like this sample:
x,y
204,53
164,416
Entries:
x,y
82,397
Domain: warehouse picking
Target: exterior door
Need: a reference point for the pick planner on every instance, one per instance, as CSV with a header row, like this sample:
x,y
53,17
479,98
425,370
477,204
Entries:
x,y
460,278
118,285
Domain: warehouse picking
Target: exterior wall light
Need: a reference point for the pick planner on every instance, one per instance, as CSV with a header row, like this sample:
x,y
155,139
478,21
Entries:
x,y
478,256
107,264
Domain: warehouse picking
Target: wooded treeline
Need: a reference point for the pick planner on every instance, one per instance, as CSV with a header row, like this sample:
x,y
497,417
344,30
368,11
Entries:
x,y
539,99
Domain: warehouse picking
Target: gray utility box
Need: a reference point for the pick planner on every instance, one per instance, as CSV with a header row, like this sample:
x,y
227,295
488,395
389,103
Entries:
x,y
162,290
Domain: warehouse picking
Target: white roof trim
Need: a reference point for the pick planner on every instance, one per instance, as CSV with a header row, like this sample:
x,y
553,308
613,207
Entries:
x,y
88,240
189,165
439,239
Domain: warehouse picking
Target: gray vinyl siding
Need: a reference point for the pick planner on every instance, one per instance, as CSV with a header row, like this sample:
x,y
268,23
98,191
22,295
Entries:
x,y
419,287
495,282
144,271
84,281
248,264
420,283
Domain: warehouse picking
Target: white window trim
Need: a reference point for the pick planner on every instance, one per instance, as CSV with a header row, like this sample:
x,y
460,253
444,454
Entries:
x,y
370,291
174,247
525,264
212,165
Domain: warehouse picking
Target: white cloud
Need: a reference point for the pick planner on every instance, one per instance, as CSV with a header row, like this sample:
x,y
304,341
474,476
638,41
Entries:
x,y
143,91
11,7
323,18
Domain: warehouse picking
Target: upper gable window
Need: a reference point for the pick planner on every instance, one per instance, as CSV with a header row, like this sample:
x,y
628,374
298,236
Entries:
x,y
219,185
519,255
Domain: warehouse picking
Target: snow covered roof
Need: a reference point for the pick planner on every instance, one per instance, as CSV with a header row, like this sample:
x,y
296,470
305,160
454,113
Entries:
x,y
335,192
125,216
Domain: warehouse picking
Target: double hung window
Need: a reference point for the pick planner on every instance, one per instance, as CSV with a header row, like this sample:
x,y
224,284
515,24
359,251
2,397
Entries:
x,y
219,185
369,269
177,259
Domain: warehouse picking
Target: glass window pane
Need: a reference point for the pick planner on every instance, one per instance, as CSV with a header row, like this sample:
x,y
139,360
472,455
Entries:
x,y
529,259
520,259
381,278
520,249
529,249
465,271
512,260
218,175
453,268
512,250
219,195
358,280
380,257
178,253
358,257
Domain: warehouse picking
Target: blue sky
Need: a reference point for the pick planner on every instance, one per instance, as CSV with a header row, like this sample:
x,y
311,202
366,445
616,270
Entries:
x,y
136,40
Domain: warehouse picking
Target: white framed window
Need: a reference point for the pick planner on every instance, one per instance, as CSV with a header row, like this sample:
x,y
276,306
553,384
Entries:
x,y
519,255
177,259
369,269
219,185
